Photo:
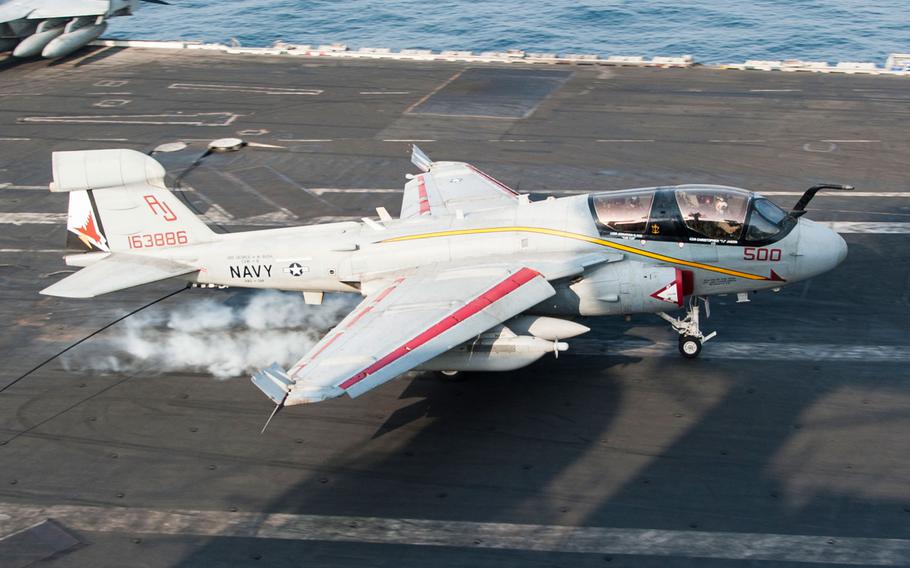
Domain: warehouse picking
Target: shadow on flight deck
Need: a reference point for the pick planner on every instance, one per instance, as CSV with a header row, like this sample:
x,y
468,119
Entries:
x,y
605,441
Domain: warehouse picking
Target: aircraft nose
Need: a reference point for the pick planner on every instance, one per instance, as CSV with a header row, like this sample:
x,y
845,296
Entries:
x,y
820,248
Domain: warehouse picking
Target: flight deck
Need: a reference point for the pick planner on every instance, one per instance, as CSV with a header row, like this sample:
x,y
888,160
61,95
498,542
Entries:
x,y
784,444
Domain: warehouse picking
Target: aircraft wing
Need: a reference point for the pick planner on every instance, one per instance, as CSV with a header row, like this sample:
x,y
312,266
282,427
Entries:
x,y
447,187
46,9
406,322
13,10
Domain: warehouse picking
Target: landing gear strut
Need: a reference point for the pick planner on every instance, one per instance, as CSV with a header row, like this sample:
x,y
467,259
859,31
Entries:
x,y
690,335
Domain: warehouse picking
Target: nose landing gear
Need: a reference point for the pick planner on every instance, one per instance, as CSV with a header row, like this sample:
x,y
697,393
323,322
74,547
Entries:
x,y
690,336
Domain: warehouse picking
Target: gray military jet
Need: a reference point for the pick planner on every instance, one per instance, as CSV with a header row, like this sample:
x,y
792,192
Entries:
x,y
472,276
54,28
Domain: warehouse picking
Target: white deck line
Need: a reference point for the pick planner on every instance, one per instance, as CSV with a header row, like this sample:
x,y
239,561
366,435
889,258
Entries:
x,y
748,351
465,534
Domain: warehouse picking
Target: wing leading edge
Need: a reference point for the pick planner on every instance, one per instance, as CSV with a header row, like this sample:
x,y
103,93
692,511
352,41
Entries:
x,y
408,322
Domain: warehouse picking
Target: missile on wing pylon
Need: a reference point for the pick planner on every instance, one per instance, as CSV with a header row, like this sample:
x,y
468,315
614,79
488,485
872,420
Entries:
x,y
544,327
493,354
73,40
34,44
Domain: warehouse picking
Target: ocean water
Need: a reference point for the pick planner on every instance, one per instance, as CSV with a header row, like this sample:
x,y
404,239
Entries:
x,y
712,31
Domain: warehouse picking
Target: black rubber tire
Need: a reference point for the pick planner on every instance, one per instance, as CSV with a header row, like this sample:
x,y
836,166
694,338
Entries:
x,y
451,376
689,346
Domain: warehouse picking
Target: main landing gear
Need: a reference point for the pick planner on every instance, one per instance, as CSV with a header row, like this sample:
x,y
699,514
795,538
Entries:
x,y
690,335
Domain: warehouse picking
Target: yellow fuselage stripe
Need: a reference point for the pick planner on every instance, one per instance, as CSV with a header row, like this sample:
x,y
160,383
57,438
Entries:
x,y
579,237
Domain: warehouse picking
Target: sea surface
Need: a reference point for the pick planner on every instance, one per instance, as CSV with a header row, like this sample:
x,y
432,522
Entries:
x,y
712,31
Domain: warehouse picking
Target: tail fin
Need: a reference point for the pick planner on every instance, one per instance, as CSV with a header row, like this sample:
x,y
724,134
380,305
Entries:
x,y
119,203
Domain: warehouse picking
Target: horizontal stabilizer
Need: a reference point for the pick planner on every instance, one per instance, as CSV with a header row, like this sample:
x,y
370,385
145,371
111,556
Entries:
x,y
116,272
274,382
104,169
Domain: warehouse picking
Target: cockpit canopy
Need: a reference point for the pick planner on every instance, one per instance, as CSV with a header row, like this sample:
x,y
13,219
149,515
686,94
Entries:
x,y
691,212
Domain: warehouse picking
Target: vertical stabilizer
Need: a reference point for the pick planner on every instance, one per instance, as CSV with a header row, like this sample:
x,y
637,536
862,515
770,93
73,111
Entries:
x,y
118,202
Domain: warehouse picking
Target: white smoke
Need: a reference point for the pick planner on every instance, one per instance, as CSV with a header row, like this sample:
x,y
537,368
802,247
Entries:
x,y
226,339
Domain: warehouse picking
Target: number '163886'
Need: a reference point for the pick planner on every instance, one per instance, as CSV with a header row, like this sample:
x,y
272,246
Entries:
x,y
762,254
150,240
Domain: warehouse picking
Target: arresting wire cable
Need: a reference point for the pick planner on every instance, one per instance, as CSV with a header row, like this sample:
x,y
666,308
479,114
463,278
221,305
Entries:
x,y
93,334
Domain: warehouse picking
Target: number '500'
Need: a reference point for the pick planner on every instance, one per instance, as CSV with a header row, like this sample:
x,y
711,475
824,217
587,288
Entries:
x,y
752,253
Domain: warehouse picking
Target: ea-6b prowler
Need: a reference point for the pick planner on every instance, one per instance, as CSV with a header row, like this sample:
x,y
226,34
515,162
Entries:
x,y
472,276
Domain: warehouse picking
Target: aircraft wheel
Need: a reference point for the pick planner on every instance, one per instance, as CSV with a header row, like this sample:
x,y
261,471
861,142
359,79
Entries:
x,y
451,376
689,347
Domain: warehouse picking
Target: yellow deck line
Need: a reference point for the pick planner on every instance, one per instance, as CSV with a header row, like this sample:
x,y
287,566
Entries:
x,y
578,237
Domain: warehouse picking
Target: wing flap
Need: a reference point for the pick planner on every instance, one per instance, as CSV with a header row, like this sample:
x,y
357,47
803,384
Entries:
x,y
408,322
116,272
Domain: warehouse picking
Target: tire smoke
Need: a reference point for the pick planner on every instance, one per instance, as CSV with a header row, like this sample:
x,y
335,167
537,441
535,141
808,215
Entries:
x,y
224,338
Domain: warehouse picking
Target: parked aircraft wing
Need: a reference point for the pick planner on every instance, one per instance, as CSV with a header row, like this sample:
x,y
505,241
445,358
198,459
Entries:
x,y
46,9
408,321
14,10
116,272
446,187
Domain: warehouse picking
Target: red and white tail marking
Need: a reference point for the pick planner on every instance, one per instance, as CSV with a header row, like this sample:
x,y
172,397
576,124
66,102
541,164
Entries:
x,y
82,221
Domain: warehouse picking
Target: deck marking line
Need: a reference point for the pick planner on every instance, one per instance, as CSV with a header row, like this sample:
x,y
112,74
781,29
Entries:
x,y
35,251
466,534
751,351
868,227
28,187
32,218
247,89
188,119
433,92
900,194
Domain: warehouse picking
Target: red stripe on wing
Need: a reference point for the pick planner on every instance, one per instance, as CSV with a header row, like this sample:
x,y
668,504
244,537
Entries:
x,y
497,292
422,197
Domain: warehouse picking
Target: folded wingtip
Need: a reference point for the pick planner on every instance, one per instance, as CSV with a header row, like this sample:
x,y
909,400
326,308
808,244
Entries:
x,y
420,159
